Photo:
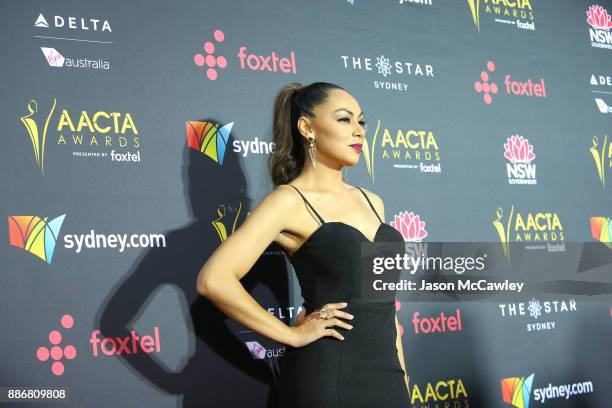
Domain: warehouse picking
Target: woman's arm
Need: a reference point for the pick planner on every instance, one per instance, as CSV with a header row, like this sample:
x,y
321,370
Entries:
x,y
219,278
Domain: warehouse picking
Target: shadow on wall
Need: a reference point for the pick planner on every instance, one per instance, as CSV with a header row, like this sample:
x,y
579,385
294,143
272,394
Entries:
x,y
220,363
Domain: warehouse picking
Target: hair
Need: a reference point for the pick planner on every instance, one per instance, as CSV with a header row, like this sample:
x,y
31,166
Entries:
x,y
292,101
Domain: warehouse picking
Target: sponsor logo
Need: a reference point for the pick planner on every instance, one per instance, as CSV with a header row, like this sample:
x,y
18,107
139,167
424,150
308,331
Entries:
x,y
517,13
259,352
74,23
449,392
56,352
600,23
602,155
248,61
39,236
517,391
601,230
57,60
34,234
536,310
132,344
439,324
410,226
414,149
519,154
98,131
488,88
538,227
209,138
397,70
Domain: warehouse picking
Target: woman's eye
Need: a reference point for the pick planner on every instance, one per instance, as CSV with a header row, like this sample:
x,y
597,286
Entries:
x,y
362,123
345,119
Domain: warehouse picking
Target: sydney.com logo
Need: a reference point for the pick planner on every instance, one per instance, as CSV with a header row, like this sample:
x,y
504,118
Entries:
x,y
39,235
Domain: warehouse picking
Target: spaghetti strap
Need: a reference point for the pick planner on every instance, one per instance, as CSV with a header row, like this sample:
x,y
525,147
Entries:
x,y
309,205
369,202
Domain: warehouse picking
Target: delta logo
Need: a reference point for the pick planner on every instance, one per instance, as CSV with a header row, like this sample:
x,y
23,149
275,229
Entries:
x,y
601,85
601,230
519,153
92,135
129,346
57,60
410,226
517,13
397,70
213,63
34,234
259,352
536,309
448,392
532,227
601,151
488,88
74,23
600,23
516,391
414,149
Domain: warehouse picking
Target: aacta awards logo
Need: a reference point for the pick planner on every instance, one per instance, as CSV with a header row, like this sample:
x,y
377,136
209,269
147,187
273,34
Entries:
x,y
448,392
97,132
488,88
415,149
517,13
600,23
34,234
540,227
252,62
602,155
517,391
519,153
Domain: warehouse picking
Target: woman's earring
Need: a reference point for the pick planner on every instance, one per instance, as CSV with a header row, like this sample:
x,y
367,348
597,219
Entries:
x,y
312,150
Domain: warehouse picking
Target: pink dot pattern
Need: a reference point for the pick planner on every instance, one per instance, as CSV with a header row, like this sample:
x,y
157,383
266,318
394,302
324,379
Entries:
x,y
55,351
488,89
209,61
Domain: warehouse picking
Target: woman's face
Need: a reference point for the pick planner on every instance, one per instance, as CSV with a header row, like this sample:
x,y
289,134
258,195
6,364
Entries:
x,y
339,129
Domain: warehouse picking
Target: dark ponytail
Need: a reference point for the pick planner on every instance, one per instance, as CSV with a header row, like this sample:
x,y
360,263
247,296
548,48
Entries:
x,y
291,102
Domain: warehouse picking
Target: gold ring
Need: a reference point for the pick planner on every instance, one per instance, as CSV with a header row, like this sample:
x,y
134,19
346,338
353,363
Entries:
x,y
324,314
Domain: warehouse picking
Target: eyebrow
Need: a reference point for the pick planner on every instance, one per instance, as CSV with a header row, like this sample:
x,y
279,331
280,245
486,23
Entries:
x,y
344,109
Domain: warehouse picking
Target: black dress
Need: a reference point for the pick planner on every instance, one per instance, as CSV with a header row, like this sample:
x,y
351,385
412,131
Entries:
x,y
363,370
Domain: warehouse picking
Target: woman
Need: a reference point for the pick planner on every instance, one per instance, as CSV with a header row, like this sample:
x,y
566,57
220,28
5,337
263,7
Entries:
x,y
318,129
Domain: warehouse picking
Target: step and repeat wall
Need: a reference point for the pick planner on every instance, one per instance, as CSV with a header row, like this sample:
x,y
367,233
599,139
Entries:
x,y
135,141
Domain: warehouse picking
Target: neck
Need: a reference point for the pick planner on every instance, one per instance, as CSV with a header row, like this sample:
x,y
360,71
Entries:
x,y
324,178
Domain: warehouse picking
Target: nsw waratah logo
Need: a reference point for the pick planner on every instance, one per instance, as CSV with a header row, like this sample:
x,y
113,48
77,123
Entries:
x,y
600,23
410,226
209,138
487,87
516,391
55,351
34,234
519,153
